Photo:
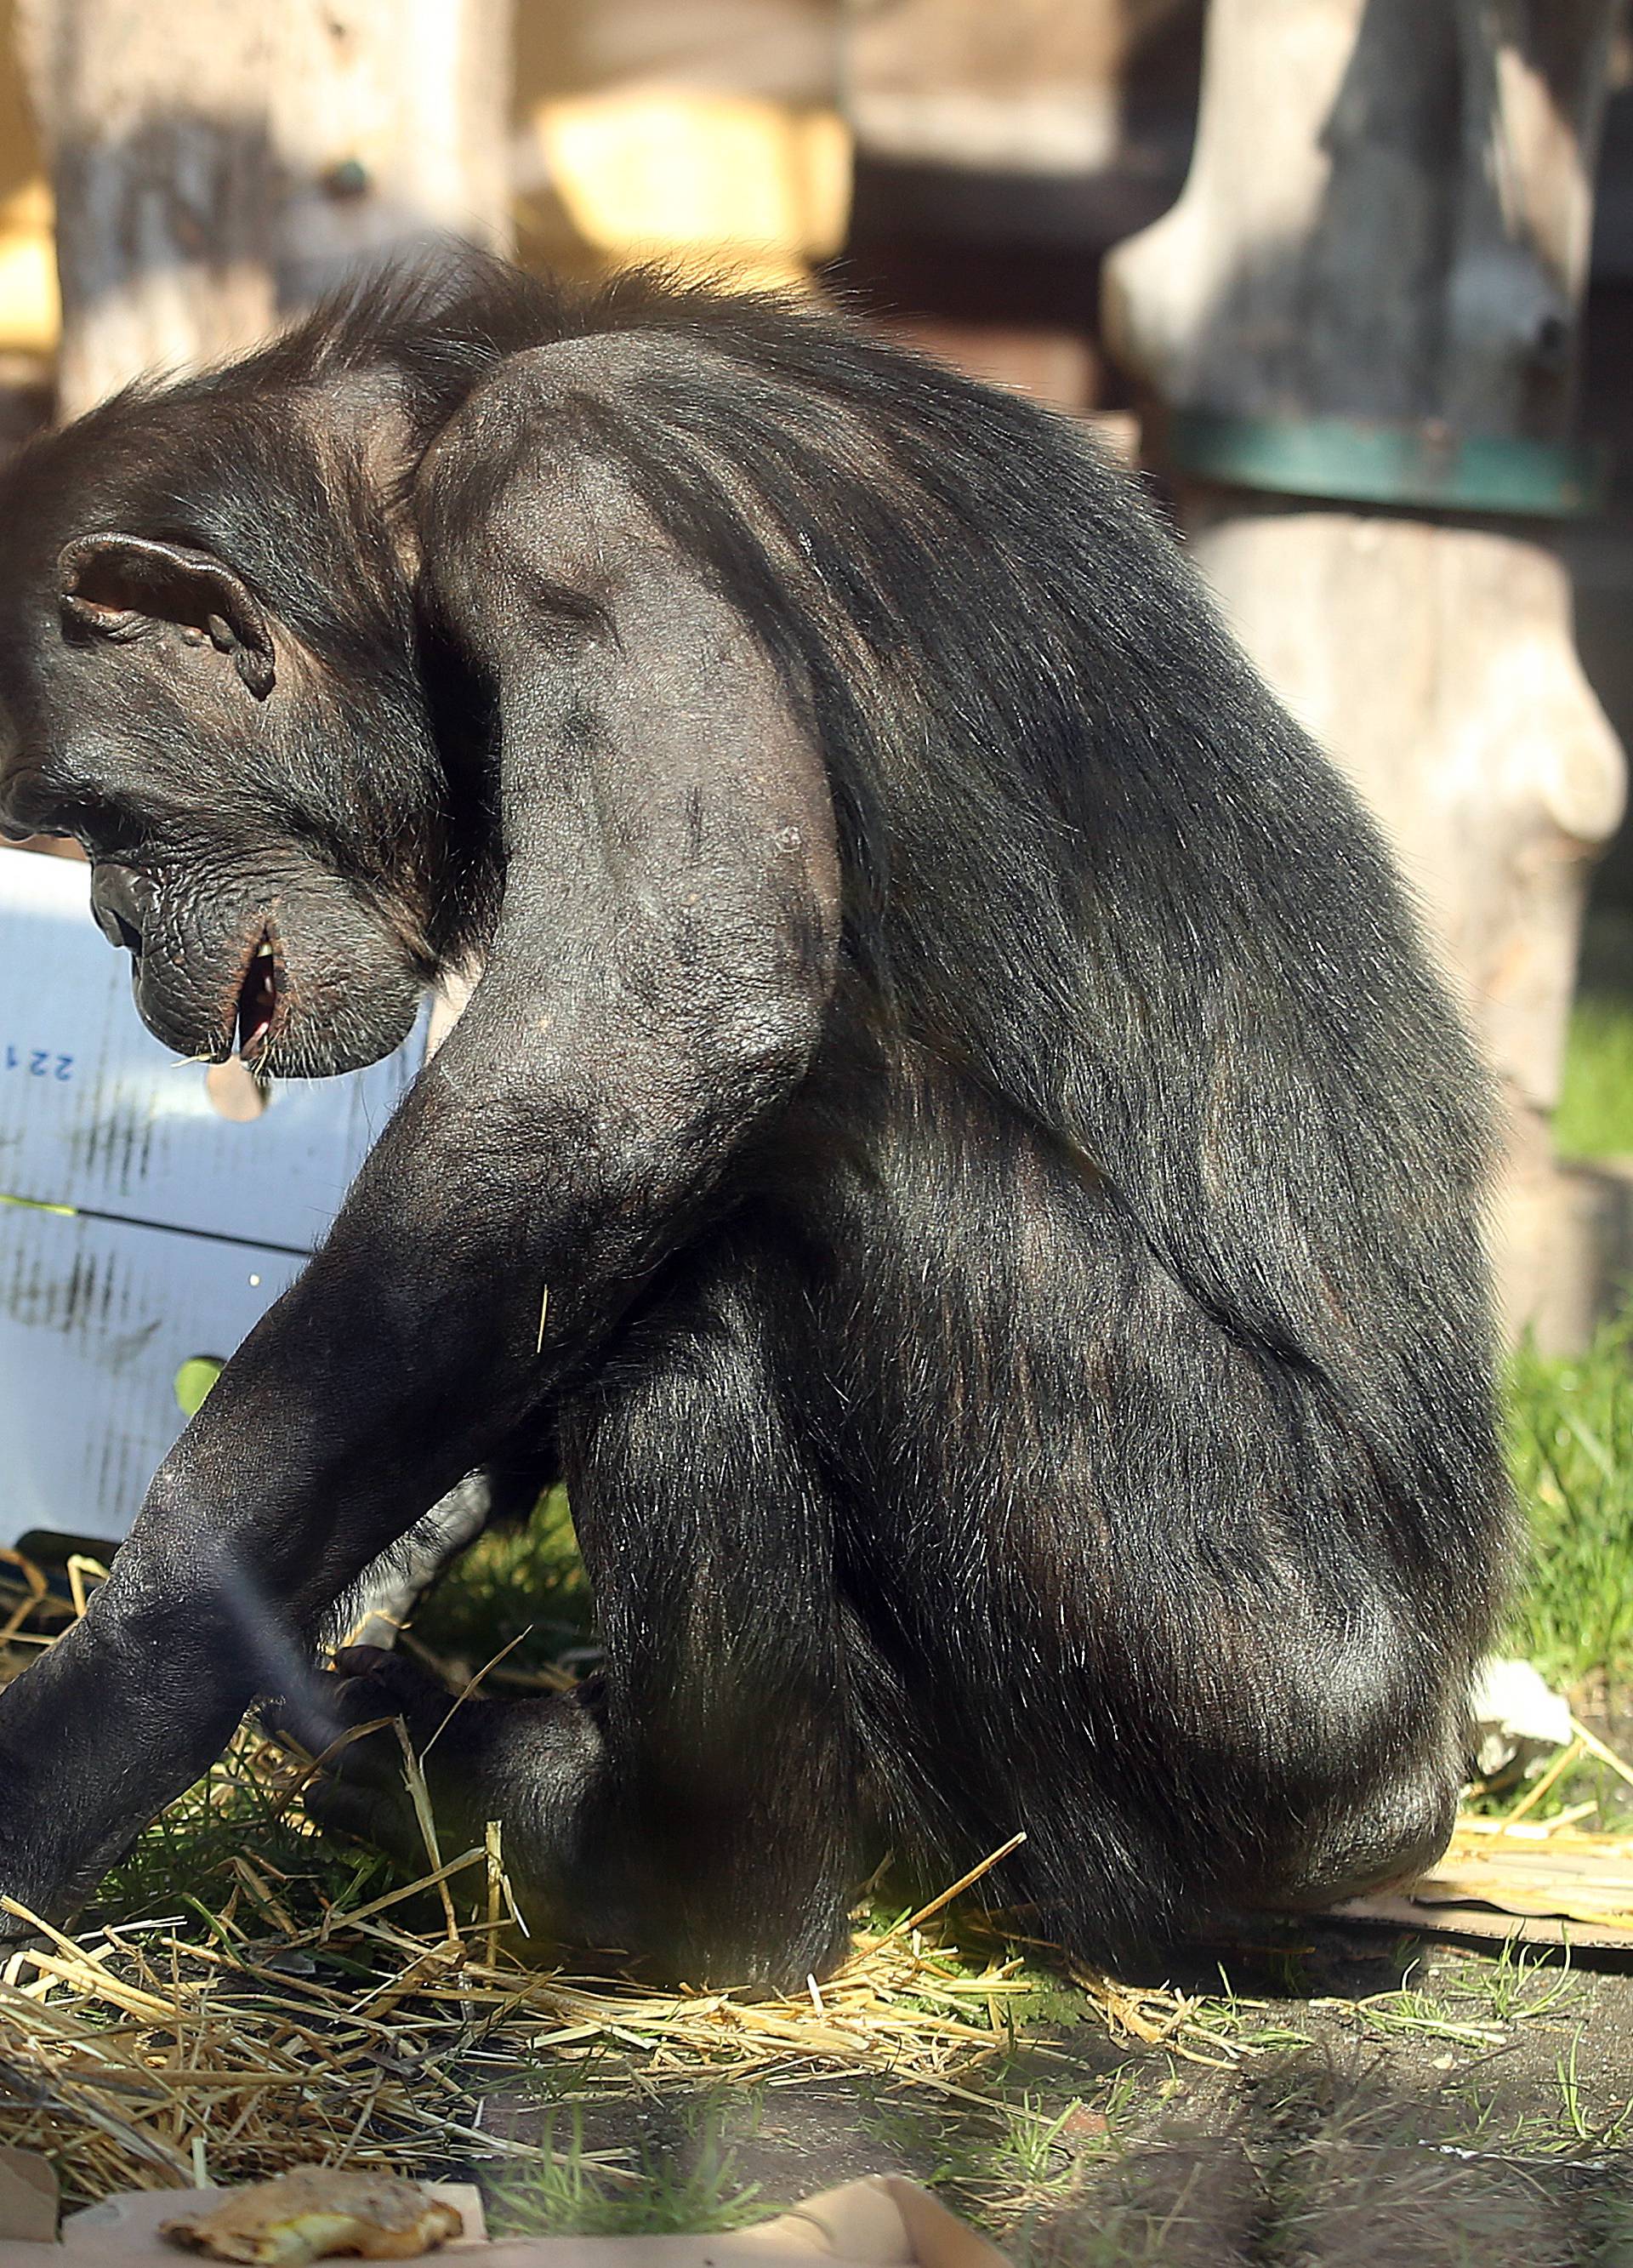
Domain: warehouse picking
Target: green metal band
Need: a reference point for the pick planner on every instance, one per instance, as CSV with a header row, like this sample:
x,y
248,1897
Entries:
x,y
1354,462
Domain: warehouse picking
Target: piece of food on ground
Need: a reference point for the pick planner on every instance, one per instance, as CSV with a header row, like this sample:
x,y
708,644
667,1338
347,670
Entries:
x,y
317,2214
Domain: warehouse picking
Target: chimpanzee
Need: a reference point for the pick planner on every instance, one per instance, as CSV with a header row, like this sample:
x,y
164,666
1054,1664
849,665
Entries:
x,y
955,1147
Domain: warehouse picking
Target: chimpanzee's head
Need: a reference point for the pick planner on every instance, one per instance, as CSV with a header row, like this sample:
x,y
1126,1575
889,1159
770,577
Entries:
x,y
210,675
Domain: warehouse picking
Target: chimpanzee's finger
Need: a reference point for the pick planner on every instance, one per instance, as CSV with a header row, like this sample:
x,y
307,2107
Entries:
x,y
323,1711
363,1660
304,1719
380,1816
385,1684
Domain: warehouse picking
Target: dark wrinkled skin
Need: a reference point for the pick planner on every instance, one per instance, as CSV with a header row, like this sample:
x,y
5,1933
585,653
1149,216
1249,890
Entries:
x,y
954,1148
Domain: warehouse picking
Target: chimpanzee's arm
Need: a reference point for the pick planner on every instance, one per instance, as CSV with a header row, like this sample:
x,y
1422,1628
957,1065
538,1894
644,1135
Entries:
x,y
657,984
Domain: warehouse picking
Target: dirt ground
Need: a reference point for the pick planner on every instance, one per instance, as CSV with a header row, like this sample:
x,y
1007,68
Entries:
x,y
1394,2100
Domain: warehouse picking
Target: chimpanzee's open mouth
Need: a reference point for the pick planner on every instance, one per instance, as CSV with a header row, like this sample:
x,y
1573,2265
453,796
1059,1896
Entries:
x,y
258,998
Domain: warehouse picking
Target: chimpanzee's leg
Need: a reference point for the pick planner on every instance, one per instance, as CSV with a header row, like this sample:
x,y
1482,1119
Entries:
x,y
1115,1577
1083,1562
694,1805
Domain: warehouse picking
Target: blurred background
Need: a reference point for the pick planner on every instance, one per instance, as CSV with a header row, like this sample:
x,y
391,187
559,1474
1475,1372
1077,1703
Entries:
x,y
1351,281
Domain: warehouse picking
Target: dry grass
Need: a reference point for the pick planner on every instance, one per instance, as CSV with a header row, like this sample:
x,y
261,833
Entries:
x,y
248,1999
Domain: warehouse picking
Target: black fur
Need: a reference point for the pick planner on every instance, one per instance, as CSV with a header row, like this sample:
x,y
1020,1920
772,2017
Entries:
x,y
1043,1384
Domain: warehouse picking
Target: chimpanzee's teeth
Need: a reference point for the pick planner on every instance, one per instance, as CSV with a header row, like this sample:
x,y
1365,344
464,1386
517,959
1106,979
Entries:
x,y
258,998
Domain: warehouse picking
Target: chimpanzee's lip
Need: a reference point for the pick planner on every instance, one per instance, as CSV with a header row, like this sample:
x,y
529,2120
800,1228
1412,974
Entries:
x,y
258,995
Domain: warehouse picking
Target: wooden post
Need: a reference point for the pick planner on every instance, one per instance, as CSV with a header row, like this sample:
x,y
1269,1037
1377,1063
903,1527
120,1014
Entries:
x,y
216,170
1361,320
391,124
704,135
1031,86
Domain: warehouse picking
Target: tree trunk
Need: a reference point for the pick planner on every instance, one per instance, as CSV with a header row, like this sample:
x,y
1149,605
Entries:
x,y
162,165
1361,318
210,177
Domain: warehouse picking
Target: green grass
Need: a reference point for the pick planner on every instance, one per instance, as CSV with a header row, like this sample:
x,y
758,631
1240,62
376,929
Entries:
x,y
1570,1447
571,2191
1595,1114
1570,1422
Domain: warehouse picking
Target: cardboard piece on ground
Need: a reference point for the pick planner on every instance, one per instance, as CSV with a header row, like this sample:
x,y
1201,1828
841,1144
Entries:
x,y
881,2222
28,2197
1532,1879
1439,1919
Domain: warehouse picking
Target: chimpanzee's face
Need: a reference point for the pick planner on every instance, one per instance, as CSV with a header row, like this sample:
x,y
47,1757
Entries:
x,y
152,707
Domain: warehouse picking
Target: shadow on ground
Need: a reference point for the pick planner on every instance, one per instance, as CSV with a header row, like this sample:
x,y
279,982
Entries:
x,y
1392,2100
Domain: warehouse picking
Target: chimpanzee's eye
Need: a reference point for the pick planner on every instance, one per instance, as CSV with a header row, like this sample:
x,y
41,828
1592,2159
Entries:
x,y
105,829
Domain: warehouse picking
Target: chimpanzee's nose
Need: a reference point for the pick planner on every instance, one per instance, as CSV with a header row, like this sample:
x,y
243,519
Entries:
x,y
114,906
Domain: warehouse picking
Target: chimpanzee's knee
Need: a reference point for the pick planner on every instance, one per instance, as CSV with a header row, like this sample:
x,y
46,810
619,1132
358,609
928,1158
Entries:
x,y
1341,1770
1371,1837
1374,1760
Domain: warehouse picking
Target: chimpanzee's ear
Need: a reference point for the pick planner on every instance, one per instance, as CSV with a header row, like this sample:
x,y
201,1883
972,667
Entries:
x,y
118,584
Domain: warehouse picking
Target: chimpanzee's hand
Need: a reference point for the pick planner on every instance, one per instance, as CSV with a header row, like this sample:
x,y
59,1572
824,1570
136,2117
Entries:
x,y
123,1710
530,1765
360,1786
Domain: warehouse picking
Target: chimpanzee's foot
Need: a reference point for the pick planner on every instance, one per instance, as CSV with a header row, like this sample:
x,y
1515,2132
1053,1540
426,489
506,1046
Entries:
x,y
388,1591
589,1868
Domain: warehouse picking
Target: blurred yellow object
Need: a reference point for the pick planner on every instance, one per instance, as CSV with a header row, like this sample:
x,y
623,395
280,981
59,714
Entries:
x,y
30,313
750,190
